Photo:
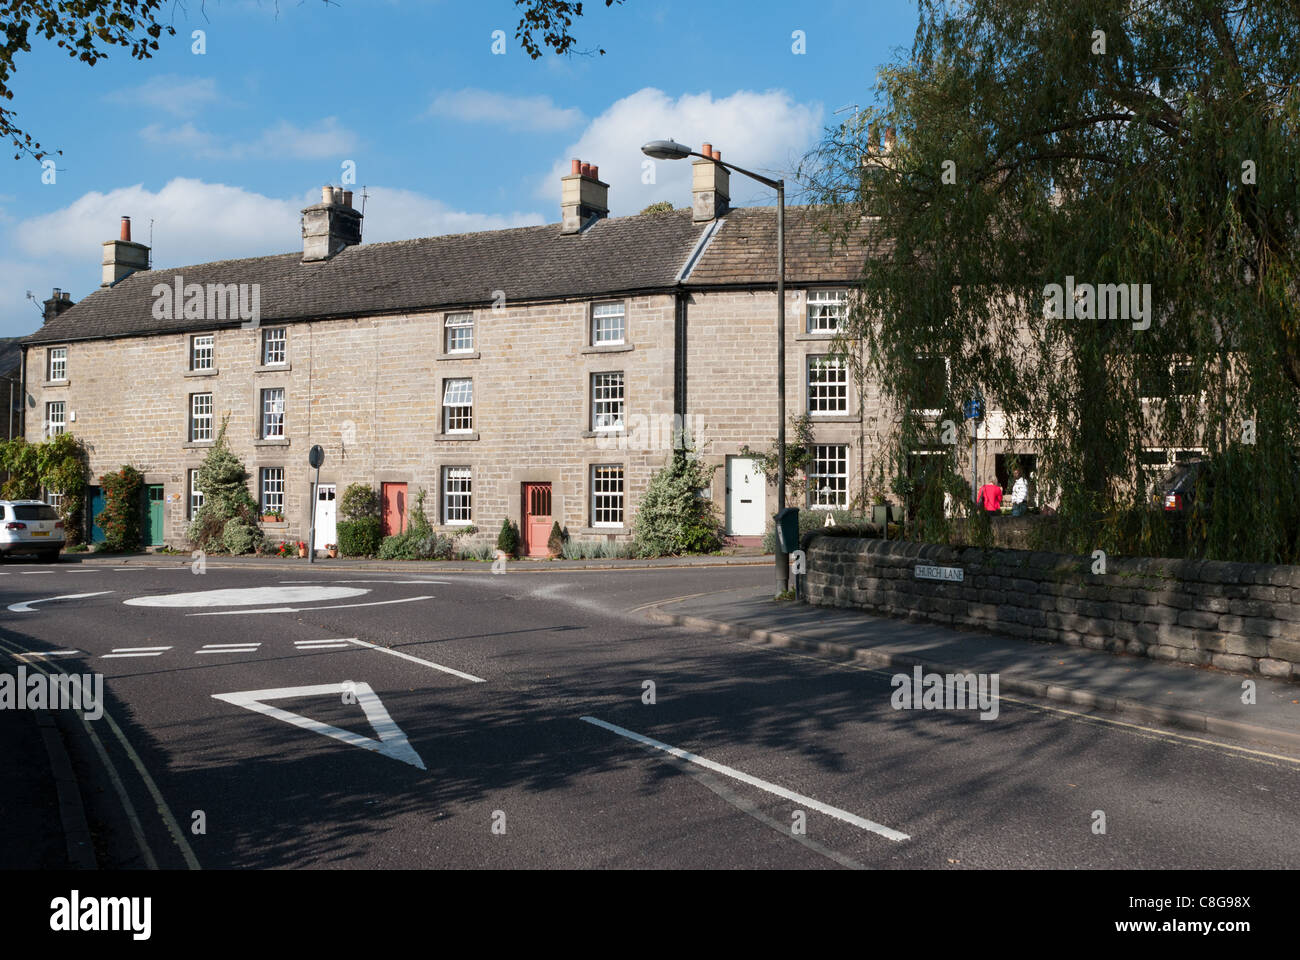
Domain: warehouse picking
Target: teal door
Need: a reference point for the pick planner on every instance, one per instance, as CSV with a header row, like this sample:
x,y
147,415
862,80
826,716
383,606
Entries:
x,y
97,504
154,534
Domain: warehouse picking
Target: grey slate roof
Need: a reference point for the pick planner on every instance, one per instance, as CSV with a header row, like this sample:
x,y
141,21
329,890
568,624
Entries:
x,y
743,252
619,255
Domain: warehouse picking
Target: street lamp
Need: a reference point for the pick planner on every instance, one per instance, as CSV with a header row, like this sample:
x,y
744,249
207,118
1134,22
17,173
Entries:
x,y
671,150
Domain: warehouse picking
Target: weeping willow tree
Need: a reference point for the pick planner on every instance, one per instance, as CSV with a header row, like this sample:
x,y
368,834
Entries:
x,y
1088,210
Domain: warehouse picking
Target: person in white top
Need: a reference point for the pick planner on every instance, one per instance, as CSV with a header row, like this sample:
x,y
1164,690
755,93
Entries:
x,y
1019,495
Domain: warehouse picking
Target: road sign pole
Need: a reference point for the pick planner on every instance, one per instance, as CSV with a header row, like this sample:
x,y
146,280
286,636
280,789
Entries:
x,y
311,537
315,457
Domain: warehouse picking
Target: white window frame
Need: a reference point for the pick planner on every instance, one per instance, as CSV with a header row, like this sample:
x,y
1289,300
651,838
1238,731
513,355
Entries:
x,y
53,426
460,412
54,499
608,401
607,311
57,357
277,338
200,420
195,497
271,496
826,389
273,419
606,501
823,304
457,496
829,466
455,326
203,351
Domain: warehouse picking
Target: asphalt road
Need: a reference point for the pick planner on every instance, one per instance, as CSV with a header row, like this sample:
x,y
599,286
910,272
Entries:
x,y
472,720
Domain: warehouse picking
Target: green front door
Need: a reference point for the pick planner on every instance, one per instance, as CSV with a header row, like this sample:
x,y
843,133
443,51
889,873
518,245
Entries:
x,y
154,533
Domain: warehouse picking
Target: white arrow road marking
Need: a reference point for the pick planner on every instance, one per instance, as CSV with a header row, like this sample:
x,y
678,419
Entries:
x,y
735,774
333,606
26,605
427,663
392,742
136,652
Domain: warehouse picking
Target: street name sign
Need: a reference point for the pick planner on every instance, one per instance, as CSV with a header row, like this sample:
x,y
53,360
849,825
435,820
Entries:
x,y
924,571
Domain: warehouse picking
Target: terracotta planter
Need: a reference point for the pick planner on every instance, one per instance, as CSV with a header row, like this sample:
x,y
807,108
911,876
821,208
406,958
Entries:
x,y
333,553
302,551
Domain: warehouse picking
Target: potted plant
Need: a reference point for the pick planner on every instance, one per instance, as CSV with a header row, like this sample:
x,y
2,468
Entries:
x,y
332,550
273,516
302,548
286,548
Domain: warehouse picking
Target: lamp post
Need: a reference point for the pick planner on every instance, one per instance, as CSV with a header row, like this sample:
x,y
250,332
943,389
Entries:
x,y
671,150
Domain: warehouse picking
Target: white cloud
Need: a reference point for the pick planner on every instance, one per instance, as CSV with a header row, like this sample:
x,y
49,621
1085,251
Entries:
x,y
196,222
539,113
193,222
764,132
172,93
326,138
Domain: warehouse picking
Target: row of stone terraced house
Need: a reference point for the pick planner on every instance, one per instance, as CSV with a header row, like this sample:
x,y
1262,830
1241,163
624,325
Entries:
x,y
535,374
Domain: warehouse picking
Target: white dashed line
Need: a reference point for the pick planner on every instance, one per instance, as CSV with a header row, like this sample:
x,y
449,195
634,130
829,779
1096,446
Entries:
x,y
228,648
48,655
136,652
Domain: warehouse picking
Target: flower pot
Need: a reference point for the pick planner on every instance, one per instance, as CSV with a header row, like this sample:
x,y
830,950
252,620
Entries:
x,y
333,553
302,551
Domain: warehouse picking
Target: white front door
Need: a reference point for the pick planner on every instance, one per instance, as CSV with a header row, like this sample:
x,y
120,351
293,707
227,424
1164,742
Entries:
x,y
326,528
746,498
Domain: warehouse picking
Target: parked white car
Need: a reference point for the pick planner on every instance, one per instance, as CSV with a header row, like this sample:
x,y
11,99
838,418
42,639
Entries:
x,y
30,526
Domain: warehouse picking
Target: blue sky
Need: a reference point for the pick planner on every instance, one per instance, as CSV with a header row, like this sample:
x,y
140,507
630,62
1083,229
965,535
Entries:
x,y
222,149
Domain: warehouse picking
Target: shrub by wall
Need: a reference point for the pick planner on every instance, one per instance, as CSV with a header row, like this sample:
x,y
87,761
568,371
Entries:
x,y
359,538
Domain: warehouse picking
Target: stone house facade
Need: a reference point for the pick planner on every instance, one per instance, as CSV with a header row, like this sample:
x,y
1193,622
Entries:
x,y
538,374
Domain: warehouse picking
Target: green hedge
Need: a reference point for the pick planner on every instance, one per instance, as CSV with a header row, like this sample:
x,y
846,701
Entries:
x,y
359,538
814,520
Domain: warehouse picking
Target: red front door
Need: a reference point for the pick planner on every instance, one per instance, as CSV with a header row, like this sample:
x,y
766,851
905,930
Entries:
x,y
395,519
537,519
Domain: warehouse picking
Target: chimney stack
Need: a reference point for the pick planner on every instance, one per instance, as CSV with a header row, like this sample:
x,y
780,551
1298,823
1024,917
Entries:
x,y
583,198
329,226
58,303
123,257
710,187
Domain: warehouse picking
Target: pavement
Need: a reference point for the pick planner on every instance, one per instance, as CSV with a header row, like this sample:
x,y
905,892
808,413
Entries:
x,y
1137,688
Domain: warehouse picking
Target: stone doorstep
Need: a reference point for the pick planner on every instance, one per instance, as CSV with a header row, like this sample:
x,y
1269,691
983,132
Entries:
x,y
1131,709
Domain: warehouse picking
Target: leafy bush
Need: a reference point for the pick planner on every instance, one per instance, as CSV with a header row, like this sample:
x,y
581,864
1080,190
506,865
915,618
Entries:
x,y
359,538
555,542
57,464
360,502
223,481
123,513
420,542
508,538
239,536
482,551
673,518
